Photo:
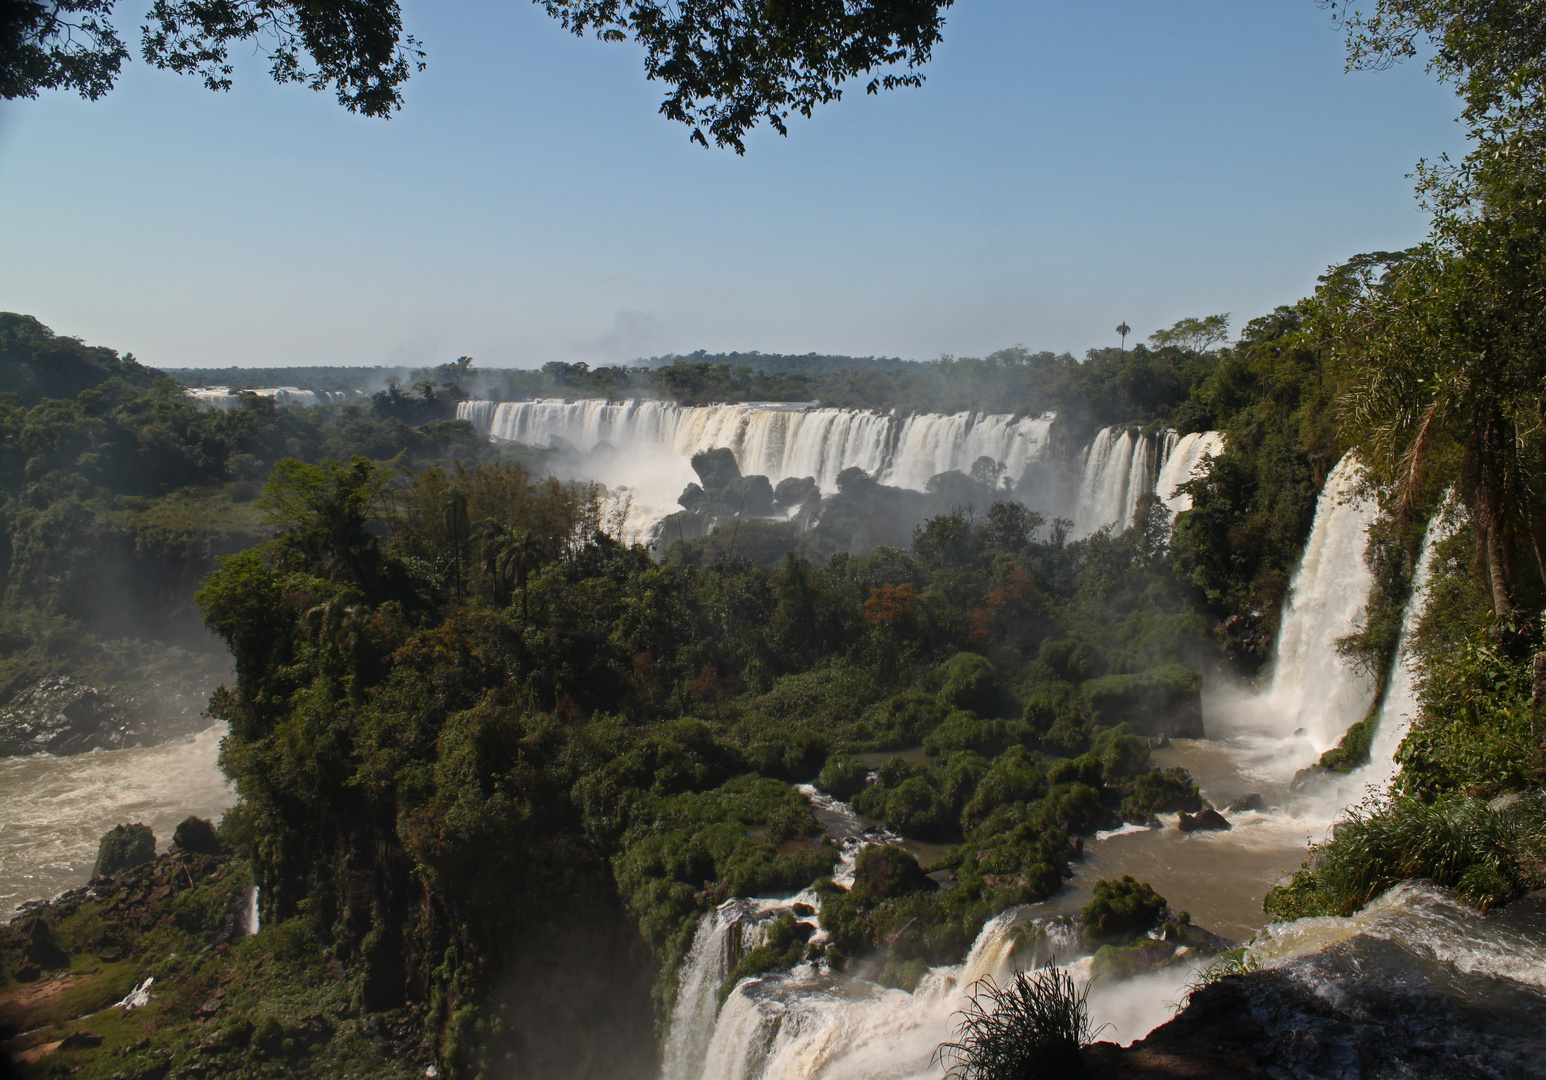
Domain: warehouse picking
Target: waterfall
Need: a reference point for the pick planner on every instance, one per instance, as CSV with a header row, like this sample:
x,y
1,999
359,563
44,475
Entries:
x,y
1399,706
1118,469
251,921
777,441
1183,460
1315,694
812,1022
645,447
223,397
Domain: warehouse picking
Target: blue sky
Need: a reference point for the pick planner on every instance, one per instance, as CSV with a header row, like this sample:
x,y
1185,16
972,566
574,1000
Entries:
x,y
1065,167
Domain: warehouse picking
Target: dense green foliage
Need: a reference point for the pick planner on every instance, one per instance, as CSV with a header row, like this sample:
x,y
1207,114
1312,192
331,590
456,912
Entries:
x,y
444,760
117,495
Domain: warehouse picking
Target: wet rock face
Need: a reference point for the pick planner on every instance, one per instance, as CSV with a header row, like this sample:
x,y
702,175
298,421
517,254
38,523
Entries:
x,y
1204,821
60,715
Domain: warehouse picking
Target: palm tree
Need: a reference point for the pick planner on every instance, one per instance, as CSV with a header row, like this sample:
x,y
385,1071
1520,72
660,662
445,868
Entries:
x,y
1447,377
510,554
1124,330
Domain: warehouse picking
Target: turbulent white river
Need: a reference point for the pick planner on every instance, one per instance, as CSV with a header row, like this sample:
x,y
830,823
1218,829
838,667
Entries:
x,y
54,810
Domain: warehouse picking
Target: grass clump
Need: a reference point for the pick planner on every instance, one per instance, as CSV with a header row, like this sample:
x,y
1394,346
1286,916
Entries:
x,y
1034,1026
1488,853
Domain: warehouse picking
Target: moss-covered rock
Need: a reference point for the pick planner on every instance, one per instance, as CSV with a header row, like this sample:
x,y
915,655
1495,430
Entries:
x,y
1121,910
123,848
885,871
197,835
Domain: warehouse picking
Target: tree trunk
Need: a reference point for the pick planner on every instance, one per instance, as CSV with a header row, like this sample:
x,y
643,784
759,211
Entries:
x,y
1489,457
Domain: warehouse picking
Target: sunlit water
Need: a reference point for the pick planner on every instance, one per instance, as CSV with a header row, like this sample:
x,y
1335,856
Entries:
x,y
54,810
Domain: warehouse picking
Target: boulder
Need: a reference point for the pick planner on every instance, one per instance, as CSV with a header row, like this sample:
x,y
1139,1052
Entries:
x,y
884,871
38,947
748,496
1206,820
796,491
716,468
124,848
1253,801
692,497
61,715
198,836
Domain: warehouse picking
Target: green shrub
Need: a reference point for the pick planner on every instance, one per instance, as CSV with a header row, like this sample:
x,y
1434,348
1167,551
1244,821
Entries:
x,y
1159,791
1487,855
842,777
963,730
968,681
901,720
1162,700
1120,910
1014,777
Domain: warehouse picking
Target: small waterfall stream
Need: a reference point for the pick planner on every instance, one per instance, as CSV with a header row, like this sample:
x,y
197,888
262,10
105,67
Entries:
x,y
1399,706
1183,458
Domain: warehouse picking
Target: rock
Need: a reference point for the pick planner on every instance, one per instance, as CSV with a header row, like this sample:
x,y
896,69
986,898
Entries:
x,y
80,1040
197,835
1253,801
124,848
716,468
39,947
692,497
748,496
61,715
1207,820
796,491
885,871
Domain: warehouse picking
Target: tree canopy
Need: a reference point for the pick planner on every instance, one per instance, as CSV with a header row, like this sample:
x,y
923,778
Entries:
x,y
729,64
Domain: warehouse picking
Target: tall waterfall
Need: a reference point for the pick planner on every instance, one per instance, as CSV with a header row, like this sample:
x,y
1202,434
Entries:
x,y
1315,695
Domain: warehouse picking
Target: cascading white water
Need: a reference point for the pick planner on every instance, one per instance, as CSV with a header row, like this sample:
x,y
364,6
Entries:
x,y
1184,458
813,1023
223,397
652,442
1316,695
777,441
1399,706
1118,469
